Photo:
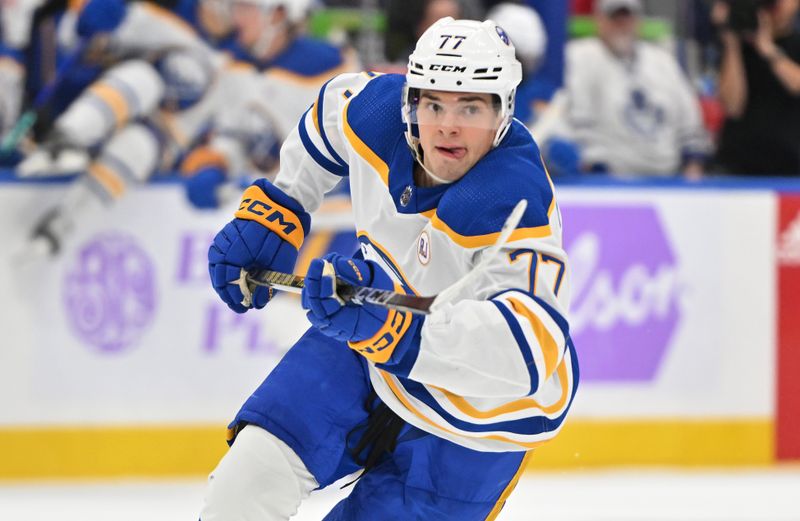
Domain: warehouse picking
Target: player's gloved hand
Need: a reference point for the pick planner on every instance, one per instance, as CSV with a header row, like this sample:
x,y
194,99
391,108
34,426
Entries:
x,y
267,233
100,16
202,187
372,330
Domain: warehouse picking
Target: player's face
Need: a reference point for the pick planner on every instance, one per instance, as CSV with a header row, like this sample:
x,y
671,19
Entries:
x,y
618,30
251,20
215,17
456,129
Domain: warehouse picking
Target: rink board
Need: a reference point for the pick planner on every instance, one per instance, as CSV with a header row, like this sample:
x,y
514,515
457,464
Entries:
x,y
118,358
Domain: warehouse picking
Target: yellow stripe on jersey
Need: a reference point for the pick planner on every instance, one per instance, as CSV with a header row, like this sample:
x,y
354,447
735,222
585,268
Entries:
x,y
416,412
110,180
239,66
550,348
309,81
518,405
478,241
257,206
315,116
510,488
363,150
114,99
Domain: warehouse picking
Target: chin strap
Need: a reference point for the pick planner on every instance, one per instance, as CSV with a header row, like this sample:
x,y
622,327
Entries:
x,y
418,158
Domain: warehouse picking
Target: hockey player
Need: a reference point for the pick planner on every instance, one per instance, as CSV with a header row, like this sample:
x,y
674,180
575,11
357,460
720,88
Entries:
x,y
142,114
441,410
277,76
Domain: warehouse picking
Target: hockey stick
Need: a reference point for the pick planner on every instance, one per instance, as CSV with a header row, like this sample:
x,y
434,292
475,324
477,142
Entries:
x,y
361,295
28,119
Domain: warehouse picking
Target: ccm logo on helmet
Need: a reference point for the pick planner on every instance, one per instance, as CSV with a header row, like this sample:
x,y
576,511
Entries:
x,y
447,68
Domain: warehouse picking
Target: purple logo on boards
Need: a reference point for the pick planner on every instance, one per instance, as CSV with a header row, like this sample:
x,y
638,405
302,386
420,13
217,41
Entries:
x,y
110,292
624,290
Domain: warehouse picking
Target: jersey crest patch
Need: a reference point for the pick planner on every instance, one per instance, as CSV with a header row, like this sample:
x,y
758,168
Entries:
x,y
424,248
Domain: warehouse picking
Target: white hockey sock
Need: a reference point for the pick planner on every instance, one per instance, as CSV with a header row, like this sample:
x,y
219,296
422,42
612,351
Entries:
x,y
259,479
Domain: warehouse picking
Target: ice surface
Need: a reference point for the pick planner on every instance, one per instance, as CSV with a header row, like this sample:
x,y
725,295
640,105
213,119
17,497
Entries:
x,y
632,495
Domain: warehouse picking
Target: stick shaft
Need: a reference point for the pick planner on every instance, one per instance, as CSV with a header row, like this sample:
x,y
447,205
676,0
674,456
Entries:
x,y
356,294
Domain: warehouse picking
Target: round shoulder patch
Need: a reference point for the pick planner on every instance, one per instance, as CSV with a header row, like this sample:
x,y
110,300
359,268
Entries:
x,y
424,248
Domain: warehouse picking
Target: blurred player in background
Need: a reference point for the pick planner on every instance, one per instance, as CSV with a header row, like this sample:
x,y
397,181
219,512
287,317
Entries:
x,y
278,75
152,110
441,410
626,103
148,106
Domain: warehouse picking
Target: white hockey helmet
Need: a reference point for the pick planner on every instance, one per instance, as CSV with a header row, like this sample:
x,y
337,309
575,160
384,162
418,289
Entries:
x,y
526,30
462,56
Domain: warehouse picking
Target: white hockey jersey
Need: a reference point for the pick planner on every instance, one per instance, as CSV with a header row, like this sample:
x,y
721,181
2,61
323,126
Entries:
x,y
635,117
495,371
257,106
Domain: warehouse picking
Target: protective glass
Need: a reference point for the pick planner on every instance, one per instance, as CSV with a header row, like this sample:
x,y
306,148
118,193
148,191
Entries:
x,y
456,110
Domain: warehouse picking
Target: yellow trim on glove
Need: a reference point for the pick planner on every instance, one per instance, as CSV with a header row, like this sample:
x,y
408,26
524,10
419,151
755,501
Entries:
x,y
257,206
381,345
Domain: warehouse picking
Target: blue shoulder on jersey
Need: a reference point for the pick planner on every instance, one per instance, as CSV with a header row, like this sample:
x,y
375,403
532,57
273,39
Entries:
x,y
374,115
187,9
309,57
480,202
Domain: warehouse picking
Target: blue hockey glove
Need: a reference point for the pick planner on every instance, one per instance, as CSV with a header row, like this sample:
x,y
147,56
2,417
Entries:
x,y
373,331
202,186
267,233
100,16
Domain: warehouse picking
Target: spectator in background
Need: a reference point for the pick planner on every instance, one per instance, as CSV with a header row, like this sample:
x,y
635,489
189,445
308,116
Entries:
x,y
407,20
626,104
759,86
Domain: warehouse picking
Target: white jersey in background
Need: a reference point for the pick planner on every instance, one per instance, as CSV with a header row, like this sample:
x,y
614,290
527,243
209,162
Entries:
x,y
636,116
257,106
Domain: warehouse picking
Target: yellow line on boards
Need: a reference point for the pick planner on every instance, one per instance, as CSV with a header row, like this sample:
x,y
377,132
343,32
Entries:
x,y
194,450
603,443
110,451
